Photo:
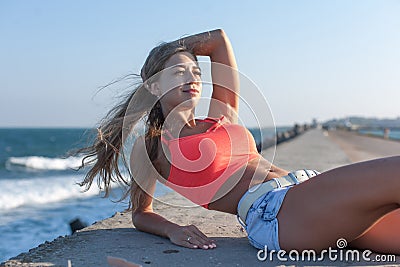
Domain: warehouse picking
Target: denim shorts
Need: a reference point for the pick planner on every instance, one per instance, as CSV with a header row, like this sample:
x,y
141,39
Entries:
x,y
261,222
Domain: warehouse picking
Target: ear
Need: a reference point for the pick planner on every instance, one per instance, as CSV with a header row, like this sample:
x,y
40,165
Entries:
x,y
154,89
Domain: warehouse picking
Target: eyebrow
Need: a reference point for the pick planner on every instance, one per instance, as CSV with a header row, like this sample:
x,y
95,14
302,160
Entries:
x,y
185,65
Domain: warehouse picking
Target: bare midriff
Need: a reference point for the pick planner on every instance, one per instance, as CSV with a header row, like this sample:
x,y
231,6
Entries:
x,y
255,172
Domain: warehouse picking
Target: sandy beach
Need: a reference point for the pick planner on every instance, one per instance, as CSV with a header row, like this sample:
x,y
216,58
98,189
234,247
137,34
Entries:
x,y
115,236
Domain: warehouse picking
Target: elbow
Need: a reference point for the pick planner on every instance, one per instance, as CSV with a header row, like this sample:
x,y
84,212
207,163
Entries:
x,y
218,35
136,218
221,34
140,219
219,31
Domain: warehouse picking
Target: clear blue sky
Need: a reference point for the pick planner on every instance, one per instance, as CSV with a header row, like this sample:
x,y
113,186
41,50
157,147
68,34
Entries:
x,y
311,59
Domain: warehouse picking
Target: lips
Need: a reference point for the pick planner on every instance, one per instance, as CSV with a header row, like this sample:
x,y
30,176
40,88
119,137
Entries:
x,y
192,91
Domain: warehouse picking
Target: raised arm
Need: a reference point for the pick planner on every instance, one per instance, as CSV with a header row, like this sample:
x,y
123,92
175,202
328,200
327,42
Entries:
x,y
146,220
225,78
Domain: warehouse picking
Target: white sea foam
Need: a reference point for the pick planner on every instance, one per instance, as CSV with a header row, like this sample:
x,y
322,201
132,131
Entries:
x,y
21,192
44,163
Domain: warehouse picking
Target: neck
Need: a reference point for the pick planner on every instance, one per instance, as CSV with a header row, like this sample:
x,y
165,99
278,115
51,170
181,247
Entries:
x,y
175,121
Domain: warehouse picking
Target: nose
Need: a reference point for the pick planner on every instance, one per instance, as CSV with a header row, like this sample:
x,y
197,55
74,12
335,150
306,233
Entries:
x,y
192,78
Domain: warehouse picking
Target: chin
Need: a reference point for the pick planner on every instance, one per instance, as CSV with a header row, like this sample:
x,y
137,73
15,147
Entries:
x,y
188,104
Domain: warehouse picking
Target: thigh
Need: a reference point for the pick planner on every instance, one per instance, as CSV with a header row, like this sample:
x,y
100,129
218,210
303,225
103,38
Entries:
x,y
341,203
384,236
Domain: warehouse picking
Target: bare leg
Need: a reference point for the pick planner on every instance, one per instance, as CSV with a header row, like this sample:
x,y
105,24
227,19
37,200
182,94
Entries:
x,y
383,236
341,203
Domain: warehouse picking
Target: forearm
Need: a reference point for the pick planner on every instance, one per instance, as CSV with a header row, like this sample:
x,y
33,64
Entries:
x,y
214,44
153,223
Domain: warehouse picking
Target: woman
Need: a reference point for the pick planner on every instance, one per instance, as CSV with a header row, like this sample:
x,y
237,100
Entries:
x,y
359,202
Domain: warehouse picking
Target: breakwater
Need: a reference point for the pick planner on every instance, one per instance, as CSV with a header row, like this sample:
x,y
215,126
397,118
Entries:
x,y
283,136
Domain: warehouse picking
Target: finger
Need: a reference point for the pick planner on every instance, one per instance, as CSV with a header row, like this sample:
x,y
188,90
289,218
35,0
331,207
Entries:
x,y
206,241
184,243
198,242
201,242
190,239
191,243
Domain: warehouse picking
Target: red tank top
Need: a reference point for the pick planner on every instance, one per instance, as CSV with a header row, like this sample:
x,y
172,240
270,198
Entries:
x,y
202,163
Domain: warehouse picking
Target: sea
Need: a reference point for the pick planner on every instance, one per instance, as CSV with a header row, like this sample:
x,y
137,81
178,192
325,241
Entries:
x,y
394,134
39,194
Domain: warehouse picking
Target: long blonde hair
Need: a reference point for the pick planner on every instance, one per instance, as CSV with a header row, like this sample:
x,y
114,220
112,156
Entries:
x,y
105,153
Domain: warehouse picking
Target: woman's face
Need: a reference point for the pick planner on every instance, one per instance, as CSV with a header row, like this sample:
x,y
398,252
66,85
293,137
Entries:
x,y
179,84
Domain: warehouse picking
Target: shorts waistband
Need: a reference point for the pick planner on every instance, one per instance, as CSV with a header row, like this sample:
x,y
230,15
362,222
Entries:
x,y
257,191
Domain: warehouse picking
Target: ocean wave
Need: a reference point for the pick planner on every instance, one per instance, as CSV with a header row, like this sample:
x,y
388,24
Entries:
x,y
45,163
15,193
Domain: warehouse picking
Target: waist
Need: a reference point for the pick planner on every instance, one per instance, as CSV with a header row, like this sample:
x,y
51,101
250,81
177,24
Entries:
x,y
259,190
201,187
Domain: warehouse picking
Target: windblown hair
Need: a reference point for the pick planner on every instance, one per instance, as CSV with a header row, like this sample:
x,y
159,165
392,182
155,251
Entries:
x,y
106,152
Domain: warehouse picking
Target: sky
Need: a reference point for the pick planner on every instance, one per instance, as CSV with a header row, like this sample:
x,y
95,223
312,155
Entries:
x,y
309,59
